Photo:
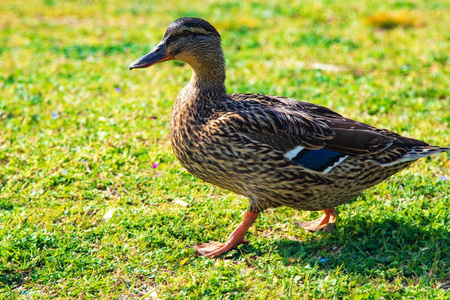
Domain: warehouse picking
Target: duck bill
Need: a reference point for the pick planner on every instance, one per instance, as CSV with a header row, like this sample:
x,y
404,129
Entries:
x,y
156,56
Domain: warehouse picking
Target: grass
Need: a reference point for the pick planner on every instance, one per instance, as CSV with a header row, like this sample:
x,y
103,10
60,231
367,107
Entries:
x,y
89,185
392,19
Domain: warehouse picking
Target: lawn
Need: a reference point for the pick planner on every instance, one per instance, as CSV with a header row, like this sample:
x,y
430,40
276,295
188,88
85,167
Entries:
x,y
93,203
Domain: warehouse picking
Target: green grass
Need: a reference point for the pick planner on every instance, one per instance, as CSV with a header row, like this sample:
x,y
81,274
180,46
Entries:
x,y
80,137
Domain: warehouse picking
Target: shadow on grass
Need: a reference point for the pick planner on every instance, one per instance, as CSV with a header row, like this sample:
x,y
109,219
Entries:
x,y
387,247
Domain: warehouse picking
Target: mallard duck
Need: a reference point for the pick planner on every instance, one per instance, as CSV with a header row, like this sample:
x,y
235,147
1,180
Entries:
x,y
273,150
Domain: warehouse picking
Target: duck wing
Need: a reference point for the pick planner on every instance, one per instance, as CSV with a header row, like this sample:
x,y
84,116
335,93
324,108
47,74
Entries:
x,y
284,123
311,135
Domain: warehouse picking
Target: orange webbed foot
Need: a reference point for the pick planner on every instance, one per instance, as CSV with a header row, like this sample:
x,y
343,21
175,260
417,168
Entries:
x,y
214,249
325,223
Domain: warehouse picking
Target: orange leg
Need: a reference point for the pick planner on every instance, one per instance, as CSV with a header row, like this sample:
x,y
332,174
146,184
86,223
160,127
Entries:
x,y
325,223
214,249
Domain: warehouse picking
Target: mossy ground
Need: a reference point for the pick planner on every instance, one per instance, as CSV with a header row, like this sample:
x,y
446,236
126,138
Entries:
x,y
88,182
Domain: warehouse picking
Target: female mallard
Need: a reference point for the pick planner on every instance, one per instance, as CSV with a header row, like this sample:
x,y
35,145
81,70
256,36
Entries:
x,y
274,150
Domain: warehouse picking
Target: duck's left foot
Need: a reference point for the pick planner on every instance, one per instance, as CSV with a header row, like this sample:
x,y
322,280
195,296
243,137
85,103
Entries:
x,y
214,249
325,223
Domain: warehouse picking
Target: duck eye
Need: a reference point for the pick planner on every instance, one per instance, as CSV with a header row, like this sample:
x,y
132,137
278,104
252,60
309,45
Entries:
x,y
185,33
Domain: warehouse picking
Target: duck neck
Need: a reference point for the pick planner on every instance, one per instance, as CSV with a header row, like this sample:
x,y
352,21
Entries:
x,y
208,74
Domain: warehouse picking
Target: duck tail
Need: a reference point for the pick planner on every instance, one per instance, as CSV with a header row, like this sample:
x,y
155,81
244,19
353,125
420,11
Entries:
x,y
417,152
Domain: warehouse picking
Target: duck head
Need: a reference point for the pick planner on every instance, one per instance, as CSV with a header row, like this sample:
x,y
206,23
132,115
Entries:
x,y
191,40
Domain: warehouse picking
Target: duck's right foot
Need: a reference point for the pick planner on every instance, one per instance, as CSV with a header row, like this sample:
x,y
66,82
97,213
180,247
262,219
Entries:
x,y
325,223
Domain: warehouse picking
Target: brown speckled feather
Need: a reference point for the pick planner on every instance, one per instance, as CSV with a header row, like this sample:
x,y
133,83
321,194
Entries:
x,y
240,145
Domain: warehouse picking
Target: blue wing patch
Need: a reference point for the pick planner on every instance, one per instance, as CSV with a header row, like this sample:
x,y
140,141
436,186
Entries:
x,y
322,160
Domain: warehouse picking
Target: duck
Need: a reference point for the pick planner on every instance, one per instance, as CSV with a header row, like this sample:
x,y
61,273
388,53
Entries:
x,y
275,151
